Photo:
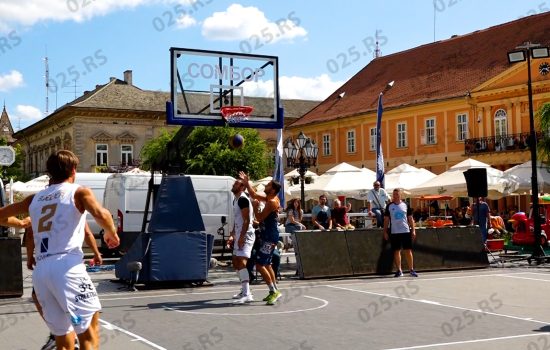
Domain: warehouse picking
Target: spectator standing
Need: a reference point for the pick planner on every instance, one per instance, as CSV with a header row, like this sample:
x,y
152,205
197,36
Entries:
x,y
482,216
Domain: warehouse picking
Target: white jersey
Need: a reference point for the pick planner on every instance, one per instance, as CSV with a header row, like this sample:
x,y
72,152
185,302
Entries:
x,y
239,218
57,224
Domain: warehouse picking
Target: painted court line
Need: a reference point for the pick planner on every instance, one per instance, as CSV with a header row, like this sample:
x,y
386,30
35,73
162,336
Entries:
x,y
219,291
323,301
444,305
136,337
466,342
528,278
390,280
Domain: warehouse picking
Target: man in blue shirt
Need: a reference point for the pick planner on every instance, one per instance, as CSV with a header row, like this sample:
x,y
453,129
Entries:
x,y
482,216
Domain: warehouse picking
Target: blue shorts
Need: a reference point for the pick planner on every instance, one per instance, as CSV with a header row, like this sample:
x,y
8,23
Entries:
x,y
265,253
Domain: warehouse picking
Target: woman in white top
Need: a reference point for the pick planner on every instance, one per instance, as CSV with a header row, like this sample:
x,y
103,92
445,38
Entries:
x,y
294,215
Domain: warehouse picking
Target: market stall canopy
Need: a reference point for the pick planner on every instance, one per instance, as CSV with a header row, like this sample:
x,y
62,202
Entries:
x,y
452,181
523,173
341,180
406,177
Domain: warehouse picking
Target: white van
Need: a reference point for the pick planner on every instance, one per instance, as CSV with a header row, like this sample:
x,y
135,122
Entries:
x,y
125,196
96,182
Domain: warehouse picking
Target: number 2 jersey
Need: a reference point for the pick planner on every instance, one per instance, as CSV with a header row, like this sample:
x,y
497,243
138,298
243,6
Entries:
x,y
57,224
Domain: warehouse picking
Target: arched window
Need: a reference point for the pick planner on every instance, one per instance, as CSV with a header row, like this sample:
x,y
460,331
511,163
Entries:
x,y
501,125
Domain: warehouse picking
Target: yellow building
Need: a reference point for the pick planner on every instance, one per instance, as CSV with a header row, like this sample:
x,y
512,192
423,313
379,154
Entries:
x,y
452,99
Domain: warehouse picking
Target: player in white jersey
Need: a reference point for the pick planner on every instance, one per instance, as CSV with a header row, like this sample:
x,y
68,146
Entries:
x,y
63,288
242,237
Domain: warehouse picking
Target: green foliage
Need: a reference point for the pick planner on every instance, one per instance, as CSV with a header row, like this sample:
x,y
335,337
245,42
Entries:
x,y
152,149
14,171
207,152
543,144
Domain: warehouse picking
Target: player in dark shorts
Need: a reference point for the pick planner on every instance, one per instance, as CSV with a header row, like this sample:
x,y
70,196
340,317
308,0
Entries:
x,y
269,234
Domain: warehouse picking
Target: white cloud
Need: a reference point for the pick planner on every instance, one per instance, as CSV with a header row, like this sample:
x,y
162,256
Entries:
x,y
185,21
29,12
11,81
25,115
239,22
316,88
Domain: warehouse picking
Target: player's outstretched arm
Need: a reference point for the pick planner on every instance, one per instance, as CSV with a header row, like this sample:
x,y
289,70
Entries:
x,y
8,213
249,187
85,200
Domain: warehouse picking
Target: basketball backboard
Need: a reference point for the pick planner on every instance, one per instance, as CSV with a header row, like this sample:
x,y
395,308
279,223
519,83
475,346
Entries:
x,y
205,82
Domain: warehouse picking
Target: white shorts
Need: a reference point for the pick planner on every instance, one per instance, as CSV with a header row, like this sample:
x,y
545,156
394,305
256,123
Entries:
x,y
66,294
246,250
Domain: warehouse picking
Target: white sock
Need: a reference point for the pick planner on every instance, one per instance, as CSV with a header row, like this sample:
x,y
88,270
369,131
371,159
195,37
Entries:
x,y
271,287
245,285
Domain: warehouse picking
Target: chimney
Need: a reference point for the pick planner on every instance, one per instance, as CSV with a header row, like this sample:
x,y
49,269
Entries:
x,y
112,79
128,77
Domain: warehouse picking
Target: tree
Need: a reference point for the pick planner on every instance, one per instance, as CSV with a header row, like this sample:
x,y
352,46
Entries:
x,y
543,144
154,147
206,151
14,171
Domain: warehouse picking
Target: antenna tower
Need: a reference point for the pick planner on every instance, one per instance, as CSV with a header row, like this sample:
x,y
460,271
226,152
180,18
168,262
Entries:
x,y
47,78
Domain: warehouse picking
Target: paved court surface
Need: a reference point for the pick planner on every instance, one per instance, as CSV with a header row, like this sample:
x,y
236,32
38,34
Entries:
x,y
494,308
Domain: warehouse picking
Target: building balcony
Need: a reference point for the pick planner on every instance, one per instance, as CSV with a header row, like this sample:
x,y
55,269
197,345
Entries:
x,y
501,143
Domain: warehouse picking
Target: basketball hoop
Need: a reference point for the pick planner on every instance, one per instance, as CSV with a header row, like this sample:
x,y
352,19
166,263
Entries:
x,y
236,114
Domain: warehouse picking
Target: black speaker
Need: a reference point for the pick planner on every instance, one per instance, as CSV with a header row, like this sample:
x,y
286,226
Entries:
x,y
476,181
11,277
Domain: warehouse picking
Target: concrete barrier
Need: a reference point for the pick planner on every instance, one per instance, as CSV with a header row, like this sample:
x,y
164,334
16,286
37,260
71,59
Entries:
x,y
362,252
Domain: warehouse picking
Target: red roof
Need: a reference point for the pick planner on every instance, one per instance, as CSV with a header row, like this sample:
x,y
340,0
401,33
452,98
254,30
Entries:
x,y
436,71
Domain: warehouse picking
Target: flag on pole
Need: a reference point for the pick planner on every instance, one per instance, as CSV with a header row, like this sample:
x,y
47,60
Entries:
x,y
278,175
379,153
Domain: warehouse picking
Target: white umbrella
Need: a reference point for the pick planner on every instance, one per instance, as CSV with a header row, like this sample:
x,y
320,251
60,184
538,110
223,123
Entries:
x,y
523,173
452,182
295,173
342,180
406,177
31,187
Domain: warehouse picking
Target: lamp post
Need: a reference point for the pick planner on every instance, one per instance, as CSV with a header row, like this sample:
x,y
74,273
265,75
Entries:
x,y
301,155
521,53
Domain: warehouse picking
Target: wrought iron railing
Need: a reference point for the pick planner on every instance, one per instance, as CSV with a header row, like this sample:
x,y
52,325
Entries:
x,y
501,143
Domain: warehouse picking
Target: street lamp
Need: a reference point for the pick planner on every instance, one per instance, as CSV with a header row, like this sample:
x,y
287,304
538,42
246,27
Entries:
x,y
521,53
301,155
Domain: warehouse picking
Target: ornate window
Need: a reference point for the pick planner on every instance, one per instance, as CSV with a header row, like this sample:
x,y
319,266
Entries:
x,y
101,153
127,154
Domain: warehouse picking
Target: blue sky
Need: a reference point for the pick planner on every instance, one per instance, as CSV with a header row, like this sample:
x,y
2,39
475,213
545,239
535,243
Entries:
x,y
92,40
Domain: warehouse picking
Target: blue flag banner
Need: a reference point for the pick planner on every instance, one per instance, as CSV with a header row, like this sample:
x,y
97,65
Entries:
x,y
379,153
278,174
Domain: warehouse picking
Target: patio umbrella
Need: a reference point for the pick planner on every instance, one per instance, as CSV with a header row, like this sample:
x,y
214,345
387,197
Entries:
x,y
31,187
523,174
341,180
452,181
406,177
295,173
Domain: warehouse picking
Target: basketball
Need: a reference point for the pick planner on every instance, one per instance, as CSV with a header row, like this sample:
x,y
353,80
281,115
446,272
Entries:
x,y
236,141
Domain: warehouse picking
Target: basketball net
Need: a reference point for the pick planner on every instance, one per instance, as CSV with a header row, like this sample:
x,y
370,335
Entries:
x,y
236,114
